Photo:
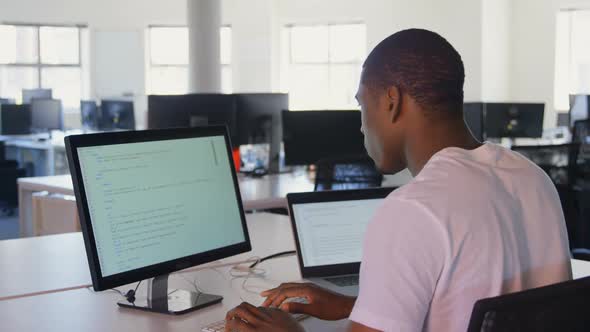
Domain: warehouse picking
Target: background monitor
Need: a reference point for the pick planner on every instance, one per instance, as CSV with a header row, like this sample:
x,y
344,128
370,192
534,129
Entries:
x,y
514,120
579,108
193,110
30,94
15,119
175,203
46,115
310,136
258,114
473,115
89,114
117,114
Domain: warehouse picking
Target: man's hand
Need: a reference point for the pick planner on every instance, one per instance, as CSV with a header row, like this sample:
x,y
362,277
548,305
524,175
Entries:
x,y
247,318
322,303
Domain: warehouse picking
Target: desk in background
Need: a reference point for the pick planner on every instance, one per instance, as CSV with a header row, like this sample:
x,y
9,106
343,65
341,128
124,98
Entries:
x,y
268,192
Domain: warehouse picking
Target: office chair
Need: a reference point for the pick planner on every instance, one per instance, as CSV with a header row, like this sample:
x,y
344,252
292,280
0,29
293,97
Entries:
x,y
559,307
356,172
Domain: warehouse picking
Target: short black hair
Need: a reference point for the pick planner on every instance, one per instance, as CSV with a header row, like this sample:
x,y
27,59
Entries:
x,y
422,64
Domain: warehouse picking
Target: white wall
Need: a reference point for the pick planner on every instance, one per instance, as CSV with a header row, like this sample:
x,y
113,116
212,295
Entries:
x,y
495,45
532,69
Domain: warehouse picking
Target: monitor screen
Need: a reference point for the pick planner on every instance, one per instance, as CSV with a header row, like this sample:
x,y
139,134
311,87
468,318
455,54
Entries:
x,y
15,119
513,120
155,201
193,110
30,94
310,136
117,114
46,114
331,233
259,117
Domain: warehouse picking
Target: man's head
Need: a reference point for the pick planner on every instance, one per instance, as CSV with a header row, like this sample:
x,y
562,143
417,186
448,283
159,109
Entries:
x,y
412,78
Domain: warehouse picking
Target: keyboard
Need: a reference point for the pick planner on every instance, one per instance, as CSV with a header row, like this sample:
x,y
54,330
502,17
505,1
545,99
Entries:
x,y
220,325
344,281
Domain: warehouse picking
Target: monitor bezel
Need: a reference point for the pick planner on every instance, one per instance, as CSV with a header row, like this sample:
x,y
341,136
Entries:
x,y
323,197
101,282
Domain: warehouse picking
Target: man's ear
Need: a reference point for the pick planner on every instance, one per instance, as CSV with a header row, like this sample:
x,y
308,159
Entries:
x,y
394,99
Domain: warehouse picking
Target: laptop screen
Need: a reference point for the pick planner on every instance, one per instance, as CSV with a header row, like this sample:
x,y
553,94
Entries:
x,y
331,233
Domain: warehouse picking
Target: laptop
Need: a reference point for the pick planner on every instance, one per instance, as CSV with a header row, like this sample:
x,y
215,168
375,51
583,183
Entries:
x,y
329,228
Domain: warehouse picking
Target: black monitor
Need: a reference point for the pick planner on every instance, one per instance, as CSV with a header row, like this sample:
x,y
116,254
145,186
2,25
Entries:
x,y
579,108
310,136
258,114
117,115
514,120
154,202
30,94
193,110
46,115
89,114
15,119
473,115
259,121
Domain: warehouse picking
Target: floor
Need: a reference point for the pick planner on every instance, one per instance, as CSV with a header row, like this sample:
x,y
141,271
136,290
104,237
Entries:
x,y
8,227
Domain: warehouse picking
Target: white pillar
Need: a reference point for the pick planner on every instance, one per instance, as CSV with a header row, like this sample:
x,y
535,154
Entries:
x,y
204,22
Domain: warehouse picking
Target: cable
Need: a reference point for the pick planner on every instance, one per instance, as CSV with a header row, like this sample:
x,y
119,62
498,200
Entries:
x,y
277,255
130,295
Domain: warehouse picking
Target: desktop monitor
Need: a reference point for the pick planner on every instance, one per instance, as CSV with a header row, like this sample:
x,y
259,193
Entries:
x,y
258,114
579,108
193,110
15,119
46,115
310,136
117,114
154,202
473,115
513,120
259,121
89,114
30,94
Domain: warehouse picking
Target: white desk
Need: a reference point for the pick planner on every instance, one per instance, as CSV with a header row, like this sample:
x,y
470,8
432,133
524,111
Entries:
x,y
35,287
83,310
46,264
263,193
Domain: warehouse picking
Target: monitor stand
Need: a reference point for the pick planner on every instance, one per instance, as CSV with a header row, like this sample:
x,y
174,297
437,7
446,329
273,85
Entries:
x,y
162,300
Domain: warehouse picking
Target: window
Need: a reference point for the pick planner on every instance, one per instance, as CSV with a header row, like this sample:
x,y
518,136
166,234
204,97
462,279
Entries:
x,y
168,60
322,64
37,56
572,56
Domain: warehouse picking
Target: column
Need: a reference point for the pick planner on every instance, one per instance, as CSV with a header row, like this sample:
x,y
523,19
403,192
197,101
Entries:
x,y
204,22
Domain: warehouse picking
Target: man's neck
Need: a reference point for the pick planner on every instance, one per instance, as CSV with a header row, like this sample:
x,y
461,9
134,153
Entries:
x,y
434,138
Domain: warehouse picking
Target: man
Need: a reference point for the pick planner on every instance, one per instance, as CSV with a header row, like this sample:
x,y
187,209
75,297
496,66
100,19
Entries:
x,y
476,221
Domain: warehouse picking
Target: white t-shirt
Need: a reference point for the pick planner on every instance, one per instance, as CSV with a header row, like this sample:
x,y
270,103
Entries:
x,y
472,224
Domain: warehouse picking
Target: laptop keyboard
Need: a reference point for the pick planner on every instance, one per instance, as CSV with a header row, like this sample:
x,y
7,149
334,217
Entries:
x,y
344,281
